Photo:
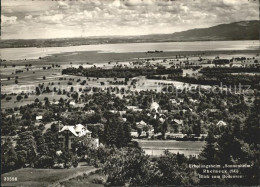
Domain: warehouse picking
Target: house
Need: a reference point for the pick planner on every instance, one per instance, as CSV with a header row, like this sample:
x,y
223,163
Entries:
x,y
17,114
173,101
221,123
175,135
117,111
213,110
90,112
203,136
154,106
161,120
38,118
134,134
141,124
181,100
72,103
193,100
178,122
9,116
55,102
134,108
177,125
68,133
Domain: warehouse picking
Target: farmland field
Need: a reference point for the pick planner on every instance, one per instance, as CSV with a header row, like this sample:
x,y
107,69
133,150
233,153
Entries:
x,y
157,147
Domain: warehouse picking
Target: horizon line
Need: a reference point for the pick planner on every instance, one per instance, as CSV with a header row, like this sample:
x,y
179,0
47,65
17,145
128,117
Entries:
x,y
107,36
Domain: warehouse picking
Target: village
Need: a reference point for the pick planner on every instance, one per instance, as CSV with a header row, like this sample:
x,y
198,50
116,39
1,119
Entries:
x,y
76,115
155,106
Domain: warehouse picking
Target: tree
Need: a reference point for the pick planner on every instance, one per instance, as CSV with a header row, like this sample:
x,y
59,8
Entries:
x,y
46,99
120,136
47,116
19,98
209,152
69,159
8,128
164,128
48,89
252,130
51,140
42,148
75,95
174,171
26,148
16,81
110,133
38,91
130,167
44,161
9,157
197,129
8,98
61,101
127,133
139,131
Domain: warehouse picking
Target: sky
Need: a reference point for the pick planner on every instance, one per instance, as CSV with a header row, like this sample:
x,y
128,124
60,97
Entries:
x,y
28,19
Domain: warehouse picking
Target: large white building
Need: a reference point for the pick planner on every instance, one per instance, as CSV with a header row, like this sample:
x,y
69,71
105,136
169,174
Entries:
x,y
68,133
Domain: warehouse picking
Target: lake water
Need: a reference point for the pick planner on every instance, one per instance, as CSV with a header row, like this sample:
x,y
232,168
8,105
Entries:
x,y
35,53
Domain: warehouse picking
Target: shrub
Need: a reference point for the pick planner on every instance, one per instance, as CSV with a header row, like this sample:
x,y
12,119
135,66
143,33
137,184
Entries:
x,y
97,179
8,98
19,98
44,162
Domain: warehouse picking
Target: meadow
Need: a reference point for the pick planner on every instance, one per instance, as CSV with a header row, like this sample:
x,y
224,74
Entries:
x,y
44,177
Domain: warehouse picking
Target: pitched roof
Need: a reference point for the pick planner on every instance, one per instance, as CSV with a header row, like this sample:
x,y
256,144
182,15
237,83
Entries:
x,y
161,120
79,127
221,123
154,106
140,124
180,122
69,128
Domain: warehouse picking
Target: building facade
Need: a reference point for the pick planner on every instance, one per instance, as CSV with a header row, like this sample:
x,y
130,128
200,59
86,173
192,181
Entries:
x,y
68,134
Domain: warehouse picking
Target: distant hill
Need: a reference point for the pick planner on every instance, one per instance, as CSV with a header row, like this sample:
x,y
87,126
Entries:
x,y
243,30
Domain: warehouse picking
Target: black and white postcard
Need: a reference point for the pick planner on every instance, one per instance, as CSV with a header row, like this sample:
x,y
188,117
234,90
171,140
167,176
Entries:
x,y
130,93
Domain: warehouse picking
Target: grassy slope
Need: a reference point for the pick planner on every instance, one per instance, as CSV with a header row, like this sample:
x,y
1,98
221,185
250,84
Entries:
x,y
171,144
43,177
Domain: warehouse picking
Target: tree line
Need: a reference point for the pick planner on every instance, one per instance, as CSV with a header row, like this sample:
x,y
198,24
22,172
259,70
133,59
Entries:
x,y
119,72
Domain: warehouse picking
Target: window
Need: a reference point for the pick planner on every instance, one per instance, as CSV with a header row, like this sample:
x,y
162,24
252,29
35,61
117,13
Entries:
x,y
60,139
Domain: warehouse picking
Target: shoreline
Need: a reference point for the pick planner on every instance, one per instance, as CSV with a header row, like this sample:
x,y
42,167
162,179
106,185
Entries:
x,y
109,43
124,56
